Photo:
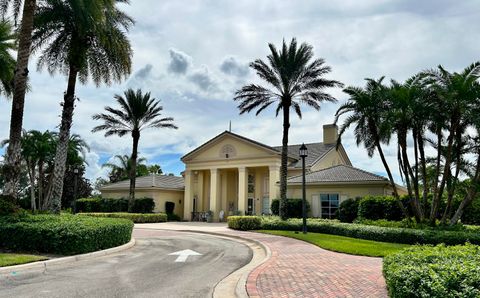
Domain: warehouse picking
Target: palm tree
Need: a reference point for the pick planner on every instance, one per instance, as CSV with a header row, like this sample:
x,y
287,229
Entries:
x,y
137,112
367,112
7,62
121,169
293,79
80,39
12,167
458,93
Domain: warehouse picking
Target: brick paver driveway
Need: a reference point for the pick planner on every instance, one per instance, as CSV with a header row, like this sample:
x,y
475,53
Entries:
x,y
300,269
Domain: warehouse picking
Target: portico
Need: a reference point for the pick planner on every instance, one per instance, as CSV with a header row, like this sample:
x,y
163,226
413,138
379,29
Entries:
x,y
235,190
232,174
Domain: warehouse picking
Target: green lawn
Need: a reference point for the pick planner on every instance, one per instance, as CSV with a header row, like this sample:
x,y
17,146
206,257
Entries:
x,y
343,244
16,259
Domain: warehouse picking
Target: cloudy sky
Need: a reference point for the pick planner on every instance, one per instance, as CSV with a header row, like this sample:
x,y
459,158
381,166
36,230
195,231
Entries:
x,y
193,55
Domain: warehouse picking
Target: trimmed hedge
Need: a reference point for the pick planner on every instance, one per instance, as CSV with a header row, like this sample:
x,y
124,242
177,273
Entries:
x,y
294,207
244,223
62,234
379,207
384,234
135,217
141,205
440,271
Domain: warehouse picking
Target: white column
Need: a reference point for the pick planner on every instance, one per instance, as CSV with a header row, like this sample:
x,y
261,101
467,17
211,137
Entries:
x,y
274,177
214,193
242,189
188,198
200,191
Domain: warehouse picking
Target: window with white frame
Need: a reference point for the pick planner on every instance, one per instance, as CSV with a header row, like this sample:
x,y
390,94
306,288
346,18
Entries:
x,y
329,205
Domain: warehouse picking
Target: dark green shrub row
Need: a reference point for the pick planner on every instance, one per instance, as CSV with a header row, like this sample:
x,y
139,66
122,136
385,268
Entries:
x,y
141,205
294,207
135,217
385,234
244,223
440,271
62,234
379,207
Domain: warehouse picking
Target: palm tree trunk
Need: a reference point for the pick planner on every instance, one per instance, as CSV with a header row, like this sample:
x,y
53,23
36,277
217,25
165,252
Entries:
x,y
133,169
471,194
31,174
12,168
284,162
407,170
446,175
390,176
40,183
59,167
424,171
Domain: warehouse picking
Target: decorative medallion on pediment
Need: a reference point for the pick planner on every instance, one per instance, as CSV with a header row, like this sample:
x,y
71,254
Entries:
x,y
228,151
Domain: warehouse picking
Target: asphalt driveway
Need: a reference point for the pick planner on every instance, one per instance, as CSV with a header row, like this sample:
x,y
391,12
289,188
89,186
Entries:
x,y
146,270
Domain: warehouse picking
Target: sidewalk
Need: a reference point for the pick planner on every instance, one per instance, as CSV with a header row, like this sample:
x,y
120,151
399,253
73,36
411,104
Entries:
x,y
300,269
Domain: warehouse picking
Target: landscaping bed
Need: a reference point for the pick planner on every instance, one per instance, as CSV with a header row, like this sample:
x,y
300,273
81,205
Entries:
x,y
440,271
344,244
62,234
135,217
367,232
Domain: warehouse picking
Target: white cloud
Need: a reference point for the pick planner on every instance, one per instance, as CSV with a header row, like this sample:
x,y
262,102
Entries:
x,y
179,55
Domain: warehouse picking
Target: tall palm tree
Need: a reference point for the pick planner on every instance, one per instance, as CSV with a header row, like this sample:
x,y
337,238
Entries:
x,y
7,62
80,39
121,169
137,112
12,167
293,78
367,112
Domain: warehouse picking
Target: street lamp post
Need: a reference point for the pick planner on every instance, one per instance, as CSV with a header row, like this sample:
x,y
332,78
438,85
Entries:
x,y
75,189
303,154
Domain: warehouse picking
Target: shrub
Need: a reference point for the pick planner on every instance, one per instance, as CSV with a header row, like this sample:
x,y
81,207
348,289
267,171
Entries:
x,y
244,223
379,207
62,234
173,217
440,271
294,207
7,207
471,214
143,205
348,210
385,234
135,217
169,207
89,205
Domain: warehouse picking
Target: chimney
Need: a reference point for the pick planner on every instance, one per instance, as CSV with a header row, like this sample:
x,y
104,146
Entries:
x,y
330,134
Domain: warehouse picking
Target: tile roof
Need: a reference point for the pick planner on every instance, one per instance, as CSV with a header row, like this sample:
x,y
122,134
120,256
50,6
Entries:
x,y
158,181
315,151
339,173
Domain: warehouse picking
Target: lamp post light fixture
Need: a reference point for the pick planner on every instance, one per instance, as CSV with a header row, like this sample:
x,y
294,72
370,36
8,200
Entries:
x,y
303,154
75,189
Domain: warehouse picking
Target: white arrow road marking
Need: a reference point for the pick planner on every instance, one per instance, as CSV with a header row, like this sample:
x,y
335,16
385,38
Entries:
x,y
184,254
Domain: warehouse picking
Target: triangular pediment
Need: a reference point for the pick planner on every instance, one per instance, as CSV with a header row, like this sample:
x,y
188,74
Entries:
x,y
228,145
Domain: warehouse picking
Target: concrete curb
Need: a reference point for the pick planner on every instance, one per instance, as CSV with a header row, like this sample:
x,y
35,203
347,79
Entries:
x,y
234,284
64,260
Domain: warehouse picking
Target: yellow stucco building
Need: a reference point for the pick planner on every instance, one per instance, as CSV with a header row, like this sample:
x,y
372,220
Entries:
x,y
231,174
